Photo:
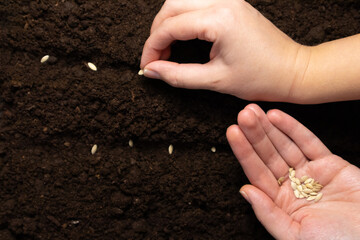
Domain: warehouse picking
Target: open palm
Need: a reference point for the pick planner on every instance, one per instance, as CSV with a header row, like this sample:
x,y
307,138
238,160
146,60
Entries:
x,y
267,145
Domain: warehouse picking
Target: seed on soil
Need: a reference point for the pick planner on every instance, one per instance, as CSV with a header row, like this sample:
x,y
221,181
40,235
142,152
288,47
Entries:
x,y
92,66
213,149
93,149
305,187
141,72
44,58
171,149
281,180
131,143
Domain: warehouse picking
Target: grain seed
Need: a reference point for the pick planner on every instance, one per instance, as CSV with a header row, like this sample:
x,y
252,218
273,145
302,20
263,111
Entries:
x,y
93,149
293,185
281,180
92,66
299,187
318,197
131,143
313,194
213,149
297,193
307,190
171,149
292,173
44,58
308,185
141,72
297,181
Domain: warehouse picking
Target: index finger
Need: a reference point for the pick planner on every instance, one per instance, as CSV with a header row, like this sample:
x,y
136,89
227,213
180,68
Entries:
x,y
185,26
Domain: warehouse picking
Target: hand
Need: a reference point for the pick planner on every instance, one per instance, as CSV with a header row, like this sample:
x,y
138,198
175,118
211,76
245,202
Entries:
x,y
266,145
250,57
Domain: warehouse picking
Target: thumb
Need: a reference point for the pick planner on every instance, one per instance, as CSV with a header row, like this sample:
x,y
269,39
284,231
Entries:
x,y
279,224
186,75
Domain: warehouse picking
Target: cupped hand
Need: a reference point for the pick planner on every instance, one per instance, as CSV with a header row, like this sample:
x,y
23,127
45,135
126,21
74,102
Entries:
x,y
250,57
267,145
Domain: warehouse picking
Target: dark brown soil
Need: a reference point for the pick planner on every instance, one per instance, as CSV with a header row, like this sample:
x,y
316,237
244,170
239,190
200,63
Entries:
x,y
51,114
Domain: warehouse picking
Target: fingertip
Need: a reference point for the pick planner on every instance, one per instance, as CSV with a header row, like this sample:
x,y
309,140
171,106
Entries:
x,y
247,118
232,132
274,115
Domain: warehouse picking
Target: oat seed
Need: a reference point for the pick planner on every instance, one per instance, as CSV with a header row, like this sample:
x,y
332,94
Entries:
x,y
141,72
311,198
297,193
303,178
213,149
93,149
92,66
131,143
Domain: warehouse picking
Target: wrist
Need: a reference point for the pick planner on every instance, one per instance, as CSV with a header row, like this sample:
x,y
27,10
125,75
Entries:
x,y
298,89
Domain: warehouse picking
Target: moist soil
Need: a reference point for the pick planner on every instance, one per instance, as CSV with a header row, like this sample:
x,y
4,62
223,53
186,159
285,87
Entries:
x,y
51,114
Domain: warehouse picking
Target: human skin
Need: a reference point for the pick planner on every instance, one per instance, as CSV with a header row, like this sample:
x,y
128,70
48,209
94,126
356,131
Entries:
x,y
250,58
266,145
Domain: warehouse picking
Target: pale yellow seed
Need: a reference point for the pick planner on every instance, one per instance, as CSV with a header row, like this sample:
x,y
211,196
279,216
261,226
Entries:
x,y
305,194
44,58
309,180
131,143
280,180
316,189
318,197
313,193
301,196
213,149
93,149
297,181
292,173
171,149
303,178
307,190
311,198
290,170
141,72
299,187
293,185
308,185
297,193
92,66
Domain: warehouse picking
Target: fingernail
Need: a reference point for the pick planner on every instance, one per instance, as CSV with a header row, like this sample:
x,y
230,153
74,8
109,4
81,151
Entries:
x,y
151,74
245,196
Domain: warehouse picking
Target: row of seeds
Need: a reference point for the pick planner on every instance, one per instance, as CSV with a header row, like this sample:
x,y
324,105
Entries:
x,y
131,144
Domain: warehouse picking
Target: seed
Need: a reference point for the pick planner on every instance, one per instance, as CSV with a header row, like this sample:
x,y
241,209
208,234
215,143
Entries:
x,y
297,181
313,193
44,58
307,190
311,198
297,193
303,178
92,66
293,185
301,196
309,180
308,185
304,194
141,72
131,143
318,197
290,170
93,149
281,180
171,149
299,187
292,173
213,149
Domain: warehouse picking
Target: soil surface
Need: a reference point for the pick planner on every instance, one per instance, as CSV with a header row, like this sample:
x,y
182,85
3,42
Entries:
x,y
52,187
